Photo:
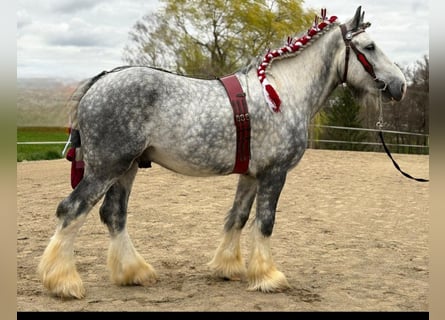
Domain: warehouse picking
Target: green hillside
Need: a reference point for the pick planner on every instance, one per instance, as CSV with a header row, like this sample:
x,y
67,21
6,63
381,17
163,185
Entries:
x,y
41,102
42,116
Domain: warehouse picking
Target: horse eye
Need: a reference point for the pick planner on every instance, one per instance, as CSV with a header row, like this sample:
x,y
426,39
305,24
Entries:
x,y
370,47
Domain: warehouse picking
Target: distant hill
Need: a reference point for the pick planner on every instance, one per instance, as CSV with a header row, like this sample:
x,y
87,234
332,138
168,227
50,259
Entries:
x,y
41,101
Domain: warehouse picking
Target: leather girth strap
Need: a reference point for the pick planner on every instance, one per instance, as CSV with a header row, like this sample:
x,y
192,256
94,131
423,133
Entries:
x,y
242,122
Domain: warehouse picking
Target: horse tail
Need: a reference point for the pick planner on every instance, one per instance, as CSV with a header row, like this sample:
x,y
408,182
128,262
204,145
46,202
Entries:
x,y
74,154
77,95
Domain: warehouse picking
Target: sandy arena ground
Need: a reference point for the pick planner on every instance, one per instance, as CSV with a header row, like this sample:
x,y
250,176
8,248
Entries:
x,y
351,234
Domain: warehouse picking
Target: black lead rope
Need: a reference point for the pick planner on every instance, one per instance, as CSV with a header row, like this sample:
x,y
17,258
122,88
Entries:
x,y
395,163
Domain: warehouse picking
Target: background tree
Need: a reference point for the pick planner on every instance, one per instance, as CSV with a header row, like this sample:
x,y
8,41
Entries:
x,y
342,111
212,38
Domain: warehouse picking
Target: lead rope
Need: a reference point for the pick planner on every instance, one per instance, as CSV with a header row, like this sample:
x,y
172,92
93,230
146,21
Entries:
x,y
379,125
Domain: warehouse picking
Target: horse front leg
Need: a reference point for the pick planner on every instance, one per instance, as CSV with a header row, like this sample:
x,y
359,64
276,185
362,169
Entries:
x,y
262,274
227,262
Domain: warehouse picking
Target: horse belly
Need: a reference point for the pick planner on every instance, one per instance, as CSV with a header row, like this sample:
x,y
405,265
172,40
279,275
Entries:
x,y
191,164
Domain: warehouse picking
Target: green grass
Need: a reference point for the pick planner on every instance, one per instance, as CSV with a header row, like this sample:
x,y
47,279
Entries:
x,y
40,151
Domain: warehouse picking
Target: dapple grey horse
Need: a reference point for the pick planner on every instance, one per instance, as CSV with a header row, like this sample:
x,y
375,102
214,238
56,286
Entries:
x,y
139,115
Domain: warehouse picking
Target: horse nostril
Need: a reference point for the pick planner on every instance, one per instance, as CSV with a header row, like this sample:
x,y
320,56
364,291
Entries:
x,y
403,88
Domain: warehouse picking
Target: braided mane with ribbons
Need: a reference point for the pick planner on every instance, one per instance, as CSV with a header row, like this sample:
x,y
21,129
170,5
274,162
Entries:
x,y
292,46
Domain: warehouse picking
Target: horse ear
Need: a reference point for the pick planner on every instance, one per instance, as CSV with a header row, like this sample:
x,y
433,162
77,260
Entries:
x,y
357,20
363,25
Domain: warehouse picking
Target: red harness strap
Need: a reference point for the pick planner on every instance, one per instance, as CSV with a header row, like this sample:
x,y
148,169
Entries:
x,y
242,122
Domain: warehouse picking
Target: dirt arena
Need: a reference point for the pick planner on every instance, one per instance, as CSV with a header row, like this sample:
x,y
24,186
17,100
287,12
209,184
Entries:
x,y
351,234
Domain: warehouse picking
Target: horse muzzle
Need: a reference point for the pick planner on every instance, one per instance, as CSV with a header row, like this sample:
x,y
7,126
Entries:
x,y
394,90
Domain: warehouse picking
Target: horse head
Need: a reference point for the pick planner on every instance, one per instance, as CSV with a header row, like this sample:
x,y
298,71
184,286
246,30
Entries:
x,y
364,65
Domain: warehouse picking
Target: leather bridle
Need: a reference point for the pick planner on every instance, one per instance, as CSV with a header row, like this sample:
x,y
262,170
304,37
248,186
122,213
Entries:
x,y
347,38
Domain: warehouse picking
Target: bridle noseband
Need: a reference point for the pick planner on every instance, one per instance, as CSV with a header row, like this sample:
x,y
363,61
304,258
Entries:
x,y
347,38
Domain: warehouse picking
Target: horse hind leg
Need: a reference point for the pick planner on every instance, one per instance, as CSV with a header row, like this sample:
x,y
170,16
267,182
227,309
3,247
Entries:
x,y
126,265
227,262
57,268
262,274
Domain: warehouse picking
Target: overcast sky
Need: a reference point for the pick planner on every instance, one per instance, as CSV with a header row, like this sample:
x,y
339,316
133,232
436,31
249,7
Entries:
x,y
80,38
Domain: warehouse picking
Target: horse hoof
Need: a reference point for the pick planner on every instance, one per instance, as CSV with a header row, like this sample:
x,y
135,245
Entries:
x,y
228,276
275,281
233,278
142,274
235,272
145,277
61,280
74,292
65,287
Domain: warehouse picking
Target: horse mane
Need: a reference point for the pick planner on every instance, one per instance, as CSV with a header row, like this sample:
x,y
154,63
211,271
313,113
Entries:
x,y
293,46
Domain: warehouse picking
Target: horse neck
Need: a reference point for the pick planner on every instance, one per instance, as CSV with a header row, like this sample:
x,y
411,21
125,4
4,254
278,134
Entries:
x,y
306,80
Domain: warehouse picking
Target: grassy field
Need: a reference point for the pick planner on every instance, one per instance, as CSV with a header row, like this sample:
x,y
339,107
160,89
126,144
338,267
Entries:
x,y
40,151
